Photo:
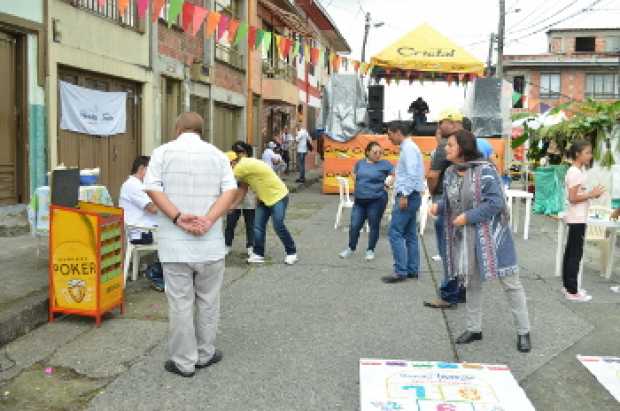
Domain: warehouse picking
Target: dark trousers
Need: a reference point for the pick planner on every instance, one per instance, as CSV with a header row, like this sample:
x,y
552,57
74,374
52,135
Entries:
x,y
287,159
367,209
231,223
301,163
572,256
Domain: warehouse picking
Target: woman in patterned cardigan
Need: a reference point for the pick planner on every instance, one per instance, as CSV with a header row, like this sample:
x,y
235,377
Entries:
x,y
479,244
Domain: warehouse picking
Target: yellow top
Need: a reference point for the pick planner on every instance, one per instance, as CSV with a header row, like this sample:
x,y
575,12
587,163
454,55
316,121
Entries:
x,y
425,49
262,180
450,114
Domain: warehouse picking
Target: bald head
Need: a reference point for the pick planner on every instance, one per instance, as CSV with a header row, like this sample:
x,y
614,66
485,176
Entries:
x,y
189,122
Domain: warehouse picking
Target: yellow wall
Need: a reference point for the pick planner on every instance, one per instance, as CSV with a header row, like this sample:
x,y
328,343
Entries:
x,y
92,43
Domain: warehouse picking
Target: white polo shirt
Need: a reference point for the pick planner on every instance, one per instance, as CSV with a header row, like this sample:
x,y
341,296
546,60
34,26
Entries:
x,y
302,140
193,174
133,200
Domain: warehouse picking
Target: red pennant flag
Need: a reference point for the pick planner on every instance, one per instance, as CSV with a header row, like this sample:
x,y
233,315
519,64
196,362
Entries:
x,y
314,55
101,3
461,76
188,16
122,7
222,26
337,63
356,66
388,73
142,6
157,6
252,37
199,15
212,20
233,26
287,45
449,79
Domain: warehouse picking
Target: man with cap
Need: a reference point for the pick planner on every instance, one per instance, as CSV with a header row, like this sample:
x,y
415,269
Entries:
x,y
272,196
450,121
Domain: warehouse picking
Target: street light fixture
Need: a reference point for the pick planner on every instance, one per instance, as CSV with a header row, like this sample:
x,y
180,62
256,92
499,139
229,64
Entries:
x,y
367,27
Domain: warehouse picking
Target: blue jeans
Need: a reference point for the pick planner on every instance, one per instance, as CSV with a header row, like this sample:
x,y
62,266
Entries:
x,y
301,162
372,210
419,119
277,212
404,237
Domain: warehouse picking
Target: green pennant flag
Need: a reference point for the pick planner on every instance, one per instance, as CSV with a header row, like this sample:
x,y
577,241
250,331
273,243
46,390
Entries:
x,y
242,32
266,42
296,49
173,11
516,96
260,34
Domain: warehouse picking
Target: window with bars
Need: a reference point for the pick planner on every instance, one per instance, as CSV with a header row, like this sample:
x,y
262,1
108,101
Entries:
x,y
108,9
550,85
225,51
602,86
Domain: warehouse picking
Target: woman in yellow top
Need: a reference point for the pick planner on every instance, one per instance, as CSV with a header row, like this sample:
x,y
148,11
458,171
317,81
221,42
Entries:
x,y
272,196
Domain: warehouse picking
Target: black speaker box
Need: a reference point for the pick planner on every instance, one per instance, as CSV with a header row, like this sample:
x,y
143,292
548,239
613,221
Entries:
x,y
65,187
376,97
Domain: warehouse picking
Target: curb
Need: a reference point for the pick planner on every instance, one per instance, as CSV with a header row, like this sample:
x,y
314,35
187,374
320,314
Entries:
x,y
24,316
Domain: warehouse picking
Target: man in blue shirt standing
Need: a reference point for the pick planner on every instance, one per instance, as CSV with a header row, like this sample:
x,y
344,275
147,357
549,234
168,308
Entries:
x,y
409,186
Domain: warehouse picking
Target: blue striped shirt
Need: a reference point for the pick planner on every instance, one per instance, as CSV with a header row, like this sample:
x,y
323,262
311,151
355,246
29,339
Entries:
x,y
410,169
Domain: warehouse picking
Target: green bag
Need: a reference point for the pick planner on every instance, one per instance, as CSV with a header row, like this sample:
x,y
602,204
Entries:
x,y
550,197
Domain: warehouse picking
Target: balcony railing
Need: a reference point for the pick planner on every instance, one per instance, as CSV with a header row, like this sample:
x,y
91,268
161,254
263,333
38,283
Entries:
x,y
109,10
279,72
229,55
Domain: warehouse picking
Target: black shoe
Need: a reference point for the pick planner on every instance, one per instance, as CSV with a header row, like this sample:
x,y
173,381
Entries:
x,y
468,337
170,366
217,357
439,303
523,343
414,276
392,279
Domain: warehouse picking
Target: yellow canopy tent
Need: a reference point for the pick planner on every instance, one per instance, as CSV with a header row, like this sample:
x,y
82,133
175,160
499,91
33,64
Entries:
x,y
424,52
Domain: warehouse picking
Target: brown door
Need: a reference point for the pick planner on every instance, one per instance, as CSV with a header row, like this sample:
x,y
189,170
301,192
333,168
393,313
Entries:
x,y
8,120
113,154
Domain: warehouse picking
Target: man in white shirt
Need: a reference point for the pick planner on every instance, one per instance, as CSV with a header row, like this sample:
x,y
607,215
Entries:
x,y
302,139
138,207
191,183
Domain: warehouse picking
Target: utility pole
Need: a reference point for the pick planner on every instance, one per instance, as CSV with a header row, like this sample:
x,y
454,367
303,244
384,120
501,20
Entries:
x,y
500,39
490,56
366,30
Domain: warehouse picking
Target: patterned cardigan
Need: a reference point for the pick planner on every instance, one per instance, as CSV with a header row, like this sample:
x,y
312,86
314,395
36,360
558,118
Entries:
x,y
495,249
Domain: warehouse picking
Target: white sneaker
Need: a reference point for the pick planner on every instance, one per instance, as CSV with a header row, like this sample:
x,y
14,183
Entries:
x,y
256,259
291,259
228,250
346,253
250,251
436,258
615,288
579,297
370,255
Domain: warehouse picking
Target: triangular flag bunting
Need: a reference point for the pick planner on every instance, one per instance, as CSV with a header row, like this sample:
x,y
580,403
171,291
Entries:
x,y
222,26
288,43
266,42
233,26
212,21
449,79
260,34
242,31
252,37
157,6
174,9
356,66
142,6
306,53
199,15
279,44
296,49
314,55
122,7
101,3
188,16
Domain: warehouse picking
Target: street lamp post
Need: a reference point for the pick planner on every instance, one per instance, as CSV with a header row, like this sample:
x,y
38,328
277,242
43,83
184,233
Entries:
x,y
367,27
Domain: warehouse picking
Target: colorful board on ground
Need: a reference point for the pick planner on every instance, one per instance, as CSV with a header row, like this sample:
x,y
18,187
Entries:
x,y
606,370
341,157
388,385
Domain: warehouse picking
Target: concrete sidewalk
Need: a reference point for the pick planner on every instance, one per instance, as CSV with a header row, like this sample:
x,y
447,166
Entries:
x,y
292,336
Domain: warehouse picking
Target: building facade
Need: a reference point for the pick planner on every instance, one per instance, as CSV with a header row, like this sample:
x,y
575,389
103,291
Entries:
x,y
23,135
579,64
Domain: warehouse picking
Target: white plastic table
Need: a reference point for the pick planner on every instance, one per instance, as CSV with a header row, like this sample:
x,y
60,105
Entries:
x,y
607,250
514,214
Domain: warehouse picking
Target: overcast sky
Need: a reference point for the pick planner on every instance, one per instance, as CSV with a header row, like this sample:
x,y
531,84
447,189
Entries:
x,y
467,23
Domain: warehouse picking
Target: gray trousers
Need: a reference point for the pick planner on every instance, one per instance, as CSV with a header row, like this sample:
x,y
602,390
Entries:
x,y
516,299
193,291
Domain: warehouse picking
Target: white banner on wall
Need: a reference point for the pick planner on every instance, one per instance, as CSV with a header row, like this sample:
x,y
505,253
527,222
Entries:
x,y
606,370
93,112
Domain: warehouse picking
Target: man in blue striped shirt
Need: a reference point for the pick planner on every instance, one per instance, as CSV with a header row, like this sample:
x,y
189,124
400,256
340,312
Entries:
x,y
409,187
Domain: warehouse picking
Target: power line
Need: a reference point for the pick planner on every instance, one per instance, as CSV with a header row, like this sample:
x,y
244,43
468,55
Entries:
x,y
549,17
531,13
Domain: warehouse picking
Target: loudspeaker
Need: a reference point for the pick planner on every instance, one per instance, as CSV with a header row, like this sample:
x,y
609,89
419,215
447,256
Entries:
x,y
375,120
65,187
375,97
426,129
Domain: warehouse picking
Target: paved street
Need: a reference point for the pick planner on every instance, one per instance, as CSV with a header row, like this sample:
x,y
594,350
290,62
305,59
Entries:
x,y
292,336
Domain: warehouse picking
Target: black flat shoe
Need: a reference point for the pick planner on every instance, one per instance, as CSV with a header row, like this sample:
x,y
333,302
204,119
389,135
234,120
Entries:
x,y
170,366
468,337
391,279
217,357
523,343
439,303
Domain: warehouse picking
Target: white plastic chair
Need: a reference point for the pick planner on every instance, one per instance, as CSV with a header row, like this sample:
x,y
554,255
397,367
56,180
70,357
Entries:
x,y
345,201
511,195
133,251
425,204
597,233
